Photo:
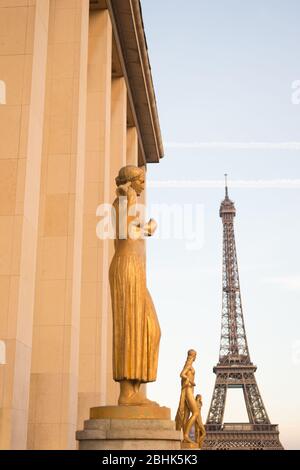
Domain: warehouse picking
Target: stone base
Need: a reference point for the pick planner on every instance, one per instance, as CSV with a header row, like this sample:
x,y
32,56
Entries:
x,y
190,445
130,412
143,433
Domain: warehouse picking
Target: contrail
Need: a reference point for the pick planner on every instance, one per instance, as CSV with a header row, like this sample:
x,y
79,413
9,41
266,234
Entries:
x,y
234,145
213,184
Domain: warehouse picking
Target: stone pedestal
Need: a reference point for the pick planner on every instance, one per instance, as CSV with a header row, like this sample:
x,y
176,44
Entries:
x,y
129,428
190,445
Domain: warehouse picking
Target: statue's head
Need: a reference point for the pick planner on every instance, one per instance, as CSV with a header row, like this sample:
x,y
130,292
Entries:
x,y
133,175
192,354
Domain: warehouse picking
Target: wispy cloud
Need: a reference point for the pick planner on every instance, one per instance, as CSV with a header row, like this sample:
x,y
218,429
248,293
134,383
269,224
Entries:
x,y
213,184
291,283
234,145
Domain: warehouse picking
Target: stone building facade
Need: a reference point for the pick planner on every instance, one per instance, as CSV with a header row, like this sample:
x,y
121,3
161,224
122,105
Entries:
x,y
79,103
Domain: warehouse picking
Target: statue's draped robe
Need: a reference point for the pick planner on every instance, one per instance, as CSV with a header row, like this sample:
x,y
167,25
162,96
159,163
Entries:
x,y
136,331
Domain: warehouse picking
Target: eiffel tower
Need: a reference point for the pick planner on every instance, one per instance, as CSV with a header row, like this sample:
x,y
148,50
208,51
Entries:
x,y
235,369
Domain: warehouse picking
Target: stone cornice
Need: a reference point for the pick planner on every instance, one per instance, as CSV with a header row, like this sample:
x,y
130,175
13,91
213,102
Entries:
x,y
130,38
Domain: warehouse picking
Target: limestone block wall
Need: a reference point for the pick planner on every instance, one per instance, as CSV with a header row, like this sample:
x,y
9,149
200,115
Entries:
x,y
54,369
23,54
64,136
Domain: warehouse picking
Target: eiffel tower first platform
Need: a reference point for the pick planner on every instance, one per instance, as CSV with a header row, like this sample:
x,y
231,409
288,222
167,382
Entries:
x,y
235,369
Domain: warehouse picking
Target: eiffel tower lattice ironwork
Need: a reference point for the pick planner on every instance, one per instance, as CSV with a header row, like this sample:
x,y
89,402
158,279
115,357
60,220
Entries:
x,y
235,369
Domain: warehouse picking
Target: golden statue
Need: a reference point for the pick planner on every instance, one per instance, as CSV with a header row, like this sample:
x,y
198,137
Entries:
x,y
200,432
136,331
189,409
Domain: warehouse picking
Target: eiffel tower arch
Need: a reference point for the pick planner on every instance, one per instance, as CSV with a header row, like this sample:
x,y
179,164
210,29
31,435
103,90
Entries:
x,y
235,369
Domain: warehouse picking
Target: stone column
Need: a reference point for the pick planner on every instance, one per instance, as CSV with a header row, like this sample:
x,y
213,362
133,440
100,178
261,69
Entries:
x,y
118,152
23,56
118,128
54,370
132,146
95,289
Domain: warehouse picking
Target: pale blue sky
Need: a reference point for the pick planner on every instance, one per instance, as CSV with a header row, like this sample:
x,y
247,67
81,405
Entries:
x,y
223,72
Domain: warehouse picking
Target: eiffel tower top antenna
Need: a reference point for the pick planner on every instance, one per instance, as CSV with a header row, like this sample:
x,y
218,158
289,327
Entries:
x,y
226,186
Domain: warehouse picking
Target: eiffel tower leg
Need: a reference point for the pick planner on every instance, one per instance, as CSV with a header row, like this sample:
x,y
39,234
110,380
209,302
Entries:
x,y
255,406
217,407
